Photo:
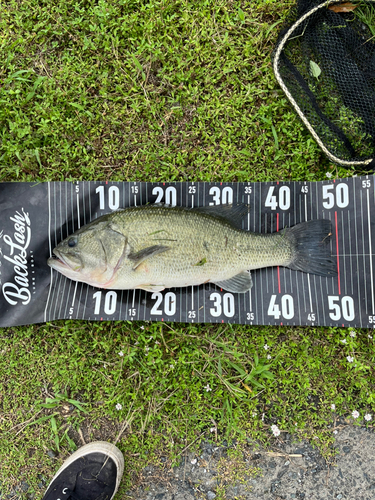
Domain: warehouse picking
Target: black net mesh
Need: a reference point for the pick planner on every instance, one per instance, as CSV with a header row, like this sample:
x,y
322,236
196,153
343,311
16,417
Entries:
x,y
325,63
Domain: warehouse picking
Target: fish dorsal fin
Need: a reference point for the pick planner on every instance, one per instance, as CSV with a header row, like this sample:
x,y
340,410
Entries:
x,y
240,283
146,253
234,214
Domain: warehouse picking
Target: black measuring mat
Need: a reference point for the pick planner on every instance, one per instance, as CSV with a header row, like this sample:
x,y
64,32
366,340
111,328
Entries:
x,y
36,217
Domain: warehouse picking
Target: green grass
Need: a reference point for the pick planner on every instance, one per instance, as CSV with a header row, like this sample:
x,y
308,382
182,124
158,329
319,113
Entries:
x,y
146,91
177,385
158,90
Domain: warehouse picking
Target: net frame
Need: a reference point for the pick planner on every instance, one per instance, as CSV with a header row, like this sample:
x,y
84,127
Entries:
x,y
276,64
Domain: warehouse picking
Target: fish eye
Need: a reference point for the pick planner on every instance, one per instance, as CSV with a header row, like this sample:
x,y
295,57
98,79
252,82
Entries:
x,y
72,242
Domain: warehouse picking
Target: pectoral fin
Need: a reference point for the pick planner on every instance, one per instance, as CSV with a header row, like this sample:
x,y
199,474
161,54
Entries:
x,y
240,283
146,253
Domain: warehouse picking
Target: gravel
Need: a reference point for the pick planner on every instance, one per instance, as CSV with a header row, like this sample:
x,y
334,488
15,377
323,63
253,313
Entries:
x,y
290,470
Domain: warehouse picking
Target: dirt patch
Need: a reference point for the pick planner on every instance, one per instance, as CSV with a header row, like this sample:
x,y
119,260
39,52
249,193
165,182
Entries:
x,y
292,470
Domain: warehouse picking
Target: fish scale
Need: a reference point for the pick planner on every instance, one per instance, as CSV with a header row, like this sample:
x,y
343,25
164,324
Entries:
x,y
194,237
153,247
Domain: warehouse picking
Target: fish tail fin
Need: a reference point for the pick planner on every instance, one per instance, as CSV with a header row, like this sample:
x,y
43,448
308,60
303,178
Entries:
x,y
311,243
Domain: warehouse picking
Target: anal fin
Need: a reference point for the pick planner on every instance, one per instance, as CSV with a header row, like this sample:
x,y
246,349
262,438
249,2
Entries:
x,y
241,283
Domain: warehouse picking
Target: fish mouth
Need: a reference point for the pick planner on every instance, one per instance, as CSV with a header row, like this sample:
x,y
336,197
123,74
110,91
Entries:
x,y
59,262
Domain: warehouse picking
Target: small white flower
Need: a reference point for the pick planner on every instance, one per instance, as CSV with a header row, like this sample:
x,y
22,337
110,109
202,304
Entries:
x,y
333,406
275,430
344,341
157,343
350,359
352,333
104,366
269,356
369,336
136,343
335,431
368,417
254,414
213,429
355,414
118,407
142,327
151,337
120,353
171,366
147,348
266,347
194,461
208,388
328,174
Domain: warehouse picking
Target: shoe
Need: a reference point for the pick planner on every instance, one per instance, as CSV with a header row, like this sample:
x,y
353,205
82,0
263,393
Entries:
x,y
93,472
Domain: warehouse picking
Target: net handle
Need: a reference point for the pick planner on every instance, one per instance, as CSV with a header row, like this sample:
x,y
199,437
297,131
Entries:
x,y
276,61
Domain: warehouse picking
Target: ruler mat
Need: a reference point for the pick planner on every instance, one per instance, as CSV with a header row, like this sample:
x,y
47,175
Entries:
x,y
36,217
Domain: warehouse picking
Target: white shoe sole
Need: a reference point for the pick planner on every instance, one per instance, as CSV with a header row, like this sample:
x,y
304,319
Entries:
x,y
104,447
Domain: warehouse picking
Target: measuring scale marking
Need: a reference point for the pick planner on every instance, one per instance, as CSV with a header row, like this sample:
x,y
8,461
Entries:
x,y
279,295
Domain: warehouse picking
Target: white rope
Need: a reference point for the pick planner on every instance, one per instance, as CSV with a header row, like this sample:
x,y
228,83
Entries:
x,y
276,60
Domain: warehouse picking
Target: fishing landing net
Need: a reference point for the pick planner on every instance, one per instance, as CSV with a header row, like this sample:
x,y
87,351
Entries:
x,y
324,61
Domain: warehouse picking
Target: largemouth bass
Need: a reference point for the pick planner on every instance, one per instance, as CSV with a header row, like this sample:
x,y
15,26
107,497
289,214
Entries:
x,y
153,247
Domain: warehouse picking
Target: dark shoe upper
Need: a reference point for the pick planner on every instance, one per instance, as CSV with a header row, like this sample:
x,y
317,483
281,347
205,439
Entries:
x,y
91,477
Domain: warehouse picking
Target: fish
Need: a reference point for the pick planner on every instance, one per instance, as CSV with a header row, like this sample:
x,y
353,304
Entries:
x,y
155,246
